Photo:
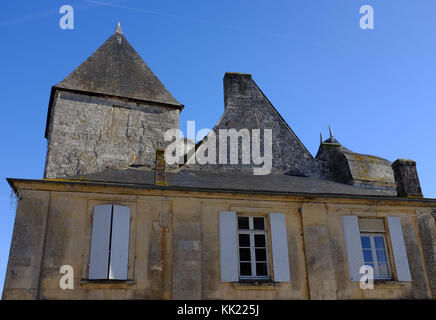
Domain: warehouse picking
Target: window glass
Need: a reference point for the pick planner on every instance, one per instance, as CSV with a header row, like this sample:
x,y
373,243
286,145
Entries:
x,y
365,242
259,223
260,254
261,269
244,240
243,223
379,244
245,269
374,254
259,240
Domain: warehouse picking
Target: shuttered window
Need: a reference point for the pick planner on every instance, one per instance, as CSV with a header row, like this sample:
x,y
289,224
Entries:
x,y
244,247
110,243
366,244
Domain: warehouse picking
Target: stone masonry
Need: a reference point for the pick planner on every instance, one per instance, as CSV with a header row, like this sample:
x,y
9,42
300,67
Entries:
x,y
89,134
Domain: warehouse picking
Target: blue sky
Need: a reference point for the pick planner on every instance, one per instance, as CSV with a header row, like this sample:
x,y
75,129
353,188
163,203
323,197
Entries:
x,y
376,88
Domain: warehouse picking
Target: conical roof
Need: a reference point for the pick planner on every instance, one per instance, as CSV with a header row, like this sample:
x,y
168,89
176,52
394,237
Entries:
x,y
116,69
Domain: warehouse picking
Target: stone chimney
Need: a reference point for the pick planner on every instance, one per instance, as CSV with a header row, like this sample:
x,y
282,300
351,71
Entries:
x,y
237,88
406,178
159,175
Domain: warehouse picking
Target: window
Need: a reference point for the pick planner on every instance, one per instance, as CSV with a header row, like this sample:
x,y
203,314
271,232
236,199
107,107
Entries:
x,y
244,247
253,252
374,254
109,243
366,243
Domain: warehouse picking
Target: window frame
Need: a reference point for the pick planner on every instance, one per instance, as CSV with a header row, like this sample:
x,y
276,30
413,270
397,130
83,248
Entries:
x,y
252,232
376,263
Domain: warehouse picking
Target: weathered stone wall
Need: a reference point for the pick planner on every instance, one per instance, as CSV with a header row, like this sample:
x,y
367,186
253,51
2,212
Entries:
x,y
88,134
25,256
174,245
427,229
246,107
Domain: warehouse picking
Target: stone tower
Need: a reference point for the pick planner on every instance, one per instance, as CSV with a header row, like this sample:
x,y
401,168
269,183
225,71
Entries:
x,y
110,112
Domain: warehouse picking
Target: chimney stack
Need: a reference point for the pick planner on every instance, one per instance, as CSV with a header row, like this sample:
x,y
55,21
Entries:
x,y
237,88
406,178
160,166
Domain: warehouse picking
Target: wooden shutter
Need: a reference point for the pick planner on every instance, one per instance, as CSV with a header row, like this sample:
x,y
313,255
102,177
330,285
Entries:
x,y
101,226
399,249
119,255
228,246
279,244
353,245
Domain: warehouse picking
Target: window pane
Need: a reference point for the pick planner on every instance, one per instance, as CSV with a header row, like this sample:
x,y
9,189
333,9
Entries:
x,y
244,254
379,244
260,254
243,223
245,269
381,256
244,240
383,269
261,269
365,242
259,223
259,240
367,256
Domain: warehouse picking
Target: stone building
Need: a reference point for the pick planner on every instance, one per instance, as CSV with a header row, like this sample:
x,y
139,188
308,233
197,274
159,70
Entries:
x,y
133,227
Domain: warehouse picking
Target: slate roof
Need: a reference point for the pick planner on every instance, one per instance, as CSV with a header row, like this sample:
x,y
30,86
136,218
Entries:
x,y
116,69
244,182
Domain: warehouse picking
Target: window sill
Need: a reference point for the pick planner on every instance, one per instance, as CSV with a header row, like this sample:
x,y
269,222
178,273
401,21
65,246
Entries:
x,y
113,284
390,284
255,285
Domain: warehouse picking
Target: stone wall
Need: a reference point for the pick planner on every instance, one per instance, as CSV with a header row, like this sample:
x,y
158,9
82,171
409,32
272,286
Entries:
x,y
174,245
88,134
246,107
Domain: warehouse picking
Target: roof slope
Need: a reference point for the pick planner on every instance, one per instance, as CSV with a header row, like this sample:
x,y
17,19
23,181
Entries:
x,y
198,179
116,69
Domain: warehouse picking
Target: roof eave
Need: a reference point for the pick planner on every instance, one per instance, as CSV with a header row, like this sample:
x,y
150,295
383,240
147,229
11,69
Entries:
x,y
12,182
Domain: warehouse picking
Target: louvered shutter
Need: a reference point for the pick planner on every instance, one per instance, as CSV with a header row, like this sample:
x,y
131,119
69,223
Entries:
x,y
279,243
119,253
228,246
399,249
101,225
353,245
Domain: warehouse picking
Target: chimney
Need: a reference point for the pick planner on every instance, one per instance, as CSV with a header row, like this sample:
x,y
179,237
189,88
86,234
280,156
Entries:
x,y
159,171
406,178
236,87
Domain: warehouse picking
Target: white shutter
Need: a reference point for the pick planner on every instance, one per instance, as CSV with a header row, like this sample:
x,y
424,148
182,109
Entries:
x,y
119,256
101,226
353,245
228,246
399,249
279,244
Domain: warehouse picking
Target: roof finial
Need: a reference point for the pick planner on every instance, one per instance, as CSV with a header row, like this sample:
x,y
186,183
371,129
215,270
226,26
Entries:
x,y
320,138
331,133
118,29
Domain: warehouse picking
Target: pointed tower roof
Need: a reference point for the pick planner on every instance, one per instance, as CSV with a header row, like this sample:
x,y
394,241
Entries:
x,y
116,69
